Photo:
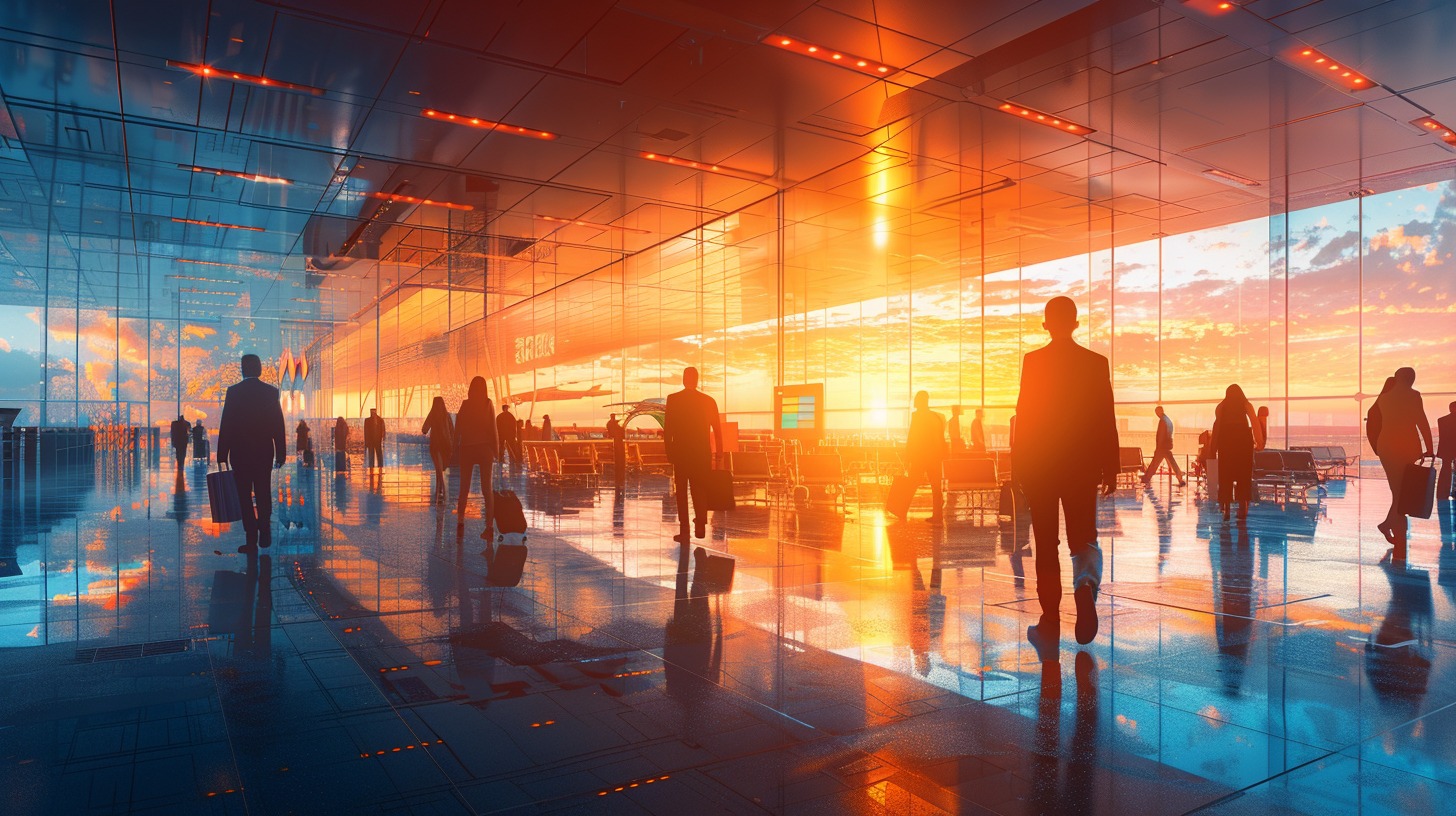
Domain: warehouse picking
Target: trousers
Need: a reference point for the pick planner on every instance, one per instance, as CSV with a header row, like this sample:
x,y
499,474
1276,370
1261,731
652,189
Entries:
x,y
1077,501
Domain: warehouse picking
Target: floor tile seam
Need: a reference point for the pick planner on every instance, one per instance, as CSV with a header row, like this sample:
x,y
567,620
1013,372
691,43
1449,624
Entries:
x,y
1232,796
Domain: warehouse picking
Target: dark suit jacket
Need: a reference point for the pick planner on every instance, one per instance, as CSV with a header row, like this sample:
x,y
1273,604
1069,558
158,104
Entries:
x,y
181,431
373,430
1164,440
505,428
1065,426
475,425
1446,427
685,428
926,440
251,433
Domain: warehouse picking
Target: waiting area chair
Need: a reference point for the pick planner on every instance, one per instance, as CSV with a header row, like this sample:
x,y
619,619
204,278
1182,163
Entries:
x,y
1129,465
976,478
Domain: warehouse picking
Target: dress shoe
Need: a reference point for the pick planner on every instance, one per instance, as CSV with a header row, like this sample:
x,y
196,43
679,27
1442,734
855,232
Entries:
x,y
700,528
1086,597
248,549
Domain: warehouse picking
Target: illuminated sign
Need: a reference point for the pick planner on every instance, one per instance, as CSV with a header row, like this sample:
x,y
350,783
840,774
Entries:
x,y
799,412
535,346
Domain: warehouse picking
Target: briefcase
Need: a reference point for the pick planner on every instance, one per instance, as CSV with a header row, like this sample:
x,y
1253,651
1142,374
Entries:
x,y
222,497
718,490
712,573
1418,489
902,490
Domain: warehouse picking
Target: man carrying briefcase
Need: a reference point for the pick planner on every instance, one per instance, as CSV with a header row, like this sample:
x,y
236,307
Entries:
x,y
252,439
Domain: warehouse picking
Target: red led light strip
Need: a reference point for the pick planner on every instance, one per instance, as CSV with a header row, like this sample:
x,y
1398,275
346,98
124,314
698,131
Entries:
x,y
1321,65
475,121
579,223
840,58
209,72
404,199
217,224
697,165
1042,118
1434,127
235,174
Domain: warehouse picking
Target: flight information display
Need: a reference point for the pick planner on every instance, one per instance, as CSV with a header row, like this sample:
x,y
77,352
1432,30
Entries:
x,y
799,412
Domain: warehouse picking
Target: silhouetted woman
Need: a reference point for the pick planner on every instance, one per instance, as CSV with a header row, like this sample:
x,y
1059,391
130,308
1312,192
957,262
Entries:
x,y
341,445
547,434
1236,433
1263,414
300,436
1398,426
441,430
475,434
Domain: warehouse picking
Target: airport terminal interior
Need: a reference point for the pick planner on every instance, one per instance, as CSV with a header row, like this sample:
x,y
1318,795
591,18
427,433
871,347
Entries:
x,y
825,207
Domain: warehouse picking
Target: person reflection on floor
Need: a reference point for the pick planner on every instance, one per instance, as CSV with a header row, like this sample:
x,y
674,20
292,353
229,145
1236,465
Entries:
x,y
254,637
181,434
1398,658
1163,513
1232,564
1050,792
692,651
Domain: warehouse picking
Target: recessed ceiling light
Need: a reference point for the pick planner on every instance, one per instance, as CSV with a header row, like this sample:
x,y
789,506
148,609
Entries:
x,y
691,164
217,224
486,124
404,199
209,72
235,174
1051,120
1229,178
1310,59
831,56
577,222
1435,128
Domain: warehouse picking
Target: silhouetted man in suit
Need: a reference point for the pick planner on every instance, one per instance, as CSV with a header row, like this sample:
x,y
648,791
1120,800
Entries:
x,y
690,416
181,433
1446,452
374,439
252,439
978,432
1064,446
1163,450
618,434
505,432
925,450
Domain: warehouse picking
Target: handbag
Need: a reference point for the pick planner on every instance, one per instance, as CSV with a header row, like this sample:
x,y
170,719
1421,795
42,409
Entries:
x,y
222,496
1418,488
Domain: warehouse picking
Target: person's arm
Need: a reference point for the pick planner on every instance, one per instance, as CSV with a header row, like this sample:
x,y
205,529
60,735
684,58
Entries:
x,y
1107,421
1424,425
669,446
223,425
1256,425
280,432
492,439
717,429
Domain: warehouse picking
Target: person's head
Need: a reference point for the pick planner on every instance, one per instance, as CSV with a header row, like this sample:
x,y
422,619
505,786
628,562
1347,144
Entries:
x,y
980,413
252,366
506,409
373,412
477,389
1235,394
545,417
438,405
1405,377
1060,319
180,418
922,400
690,378
1452,406
1263,411
1159,411
340,421
955,410
612,417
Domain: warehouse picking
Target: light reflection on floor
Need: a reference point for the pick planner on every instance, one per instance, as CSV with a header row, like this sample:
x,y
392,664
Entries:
x,y
857,666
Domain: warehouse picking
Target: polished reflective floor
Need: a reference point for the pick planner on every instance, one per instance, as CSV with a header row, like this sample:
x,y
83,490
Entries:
x,y
365,664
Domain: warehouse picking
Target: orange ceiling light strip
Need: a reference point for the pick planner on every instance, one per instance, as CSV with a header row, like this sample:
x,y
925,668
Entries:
x,y
1043,118
577,222
217,224
1316,63
486,124
209,72
1432,126
843,59
404,199
697,165
235,174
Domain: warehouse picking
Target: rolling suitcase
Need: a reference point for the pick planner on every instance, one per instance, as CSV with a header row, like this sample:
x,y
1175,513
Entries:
x,y
222,497
509,517
1418,489
902,490
718,490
